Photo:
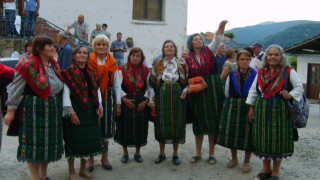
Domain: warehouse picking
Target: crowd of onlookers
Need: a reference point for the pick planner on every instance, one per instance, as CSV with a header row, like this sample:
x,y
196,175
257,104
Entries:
x,y
73,101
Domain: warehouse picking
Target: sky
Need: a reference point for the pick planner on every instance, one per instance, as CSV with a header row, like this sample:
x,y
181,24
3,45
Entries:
x,y
205,15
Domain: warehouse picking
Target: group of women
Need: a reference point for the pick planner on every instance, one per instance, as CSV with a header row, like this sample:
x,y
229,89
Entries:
x,y
94,99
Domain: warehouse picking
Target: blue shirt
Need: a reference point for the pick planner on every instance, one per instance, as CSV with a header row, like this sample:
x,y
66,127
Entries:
x,y
64,56
220,60
31,5
118,44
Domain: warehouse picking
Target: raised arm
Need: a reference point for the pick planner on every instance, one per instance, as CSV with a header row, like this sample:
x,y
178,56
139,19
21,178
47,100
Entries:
x,y
218,37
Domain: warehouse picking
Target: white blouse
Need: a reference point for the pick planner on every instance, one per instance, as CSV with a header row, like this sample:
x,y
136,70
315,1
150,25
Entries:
x,y
296,92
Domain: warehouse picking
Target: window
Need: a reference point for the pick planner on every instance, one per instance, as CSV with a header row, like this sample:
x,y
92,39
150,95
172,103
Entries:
x,y
147,10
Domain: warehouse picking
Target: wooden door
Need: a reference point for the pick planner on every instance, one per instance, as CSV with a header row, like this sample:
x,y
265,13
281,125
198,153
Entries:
x,y
313,86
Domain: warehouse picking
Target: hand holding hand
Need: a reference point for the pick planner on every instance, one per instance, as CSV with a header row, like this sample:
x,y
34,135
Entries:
x,y
285,95
143,105
129,103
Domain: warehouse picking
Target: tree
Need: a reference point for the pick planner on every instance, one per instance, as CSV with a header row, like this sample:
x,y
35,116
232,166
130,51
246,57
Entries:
x,y
230,35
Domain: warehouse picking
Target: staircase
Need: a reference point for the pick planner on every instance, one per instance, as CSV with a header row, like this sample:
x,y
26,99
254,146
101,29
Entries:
x,y
42,27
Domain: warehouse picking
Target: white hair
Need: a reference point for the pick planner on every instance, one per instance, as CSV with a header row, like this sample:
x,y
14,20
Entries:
x,y
99,38
284,59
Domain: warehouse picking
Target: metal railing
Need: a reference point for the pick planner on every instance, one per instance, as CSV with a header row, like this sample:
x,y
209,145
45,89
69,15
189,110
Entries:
x,y
42,27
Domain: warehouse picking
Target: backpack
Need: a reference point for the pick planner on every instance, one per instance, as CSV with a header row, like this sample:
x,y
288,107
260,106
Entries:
x,y
299,111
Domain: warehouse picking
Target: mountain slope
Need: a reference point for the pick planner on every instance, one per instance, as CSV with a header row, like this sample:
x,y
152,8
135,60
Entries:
x,y
292,35
249,34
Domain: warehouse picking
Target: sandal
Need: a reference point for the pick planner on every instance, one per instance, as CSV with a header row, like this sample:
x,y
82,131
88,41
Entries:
x,y
232,163
212,160
85,174
194,159
73,177
246,168
263,175
274,178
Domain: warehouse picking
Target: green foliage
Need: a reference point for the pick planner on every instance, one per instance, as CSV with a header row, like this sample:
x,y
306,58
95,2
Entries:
x,y
293,61
229,35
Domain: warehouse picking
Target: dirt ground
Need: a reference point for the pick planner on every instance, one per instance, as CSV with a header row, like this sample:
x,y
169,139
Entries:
x,y
304,164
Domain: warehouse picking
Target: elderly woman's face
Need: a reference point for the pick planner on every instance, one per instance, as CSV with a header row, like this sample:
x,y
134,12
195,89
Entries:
x,y
197,42
273,57
81,57
243,61
169,49
101,47
135,58
48,51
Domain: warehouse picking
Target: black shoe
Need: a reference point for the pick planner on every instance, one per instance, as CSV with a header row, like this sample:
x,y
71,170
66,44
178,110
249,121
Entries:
x,y
125,158
160,158
90,168
107,167
175,160
138,158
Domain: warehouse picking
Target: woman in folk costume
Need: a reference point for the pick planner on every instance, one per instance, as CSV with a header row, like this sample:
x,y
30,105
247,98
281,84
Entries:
x,y
39,80
82,110
6,76
132,125
207,104
169,79
272,131
106,69
235,128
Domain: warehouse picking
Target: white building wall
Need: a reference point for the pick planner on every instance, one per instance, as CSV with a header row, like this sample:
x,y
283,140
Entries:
x,y
302,65
118,15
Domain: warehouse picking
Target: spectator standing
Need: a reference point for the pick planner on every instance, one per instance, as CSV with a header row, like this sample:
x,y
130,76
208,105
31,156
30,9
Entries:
x,y
30,10
65,51
28,52
118,48
257,50
221,57
104,28
81,29
10,13
98,31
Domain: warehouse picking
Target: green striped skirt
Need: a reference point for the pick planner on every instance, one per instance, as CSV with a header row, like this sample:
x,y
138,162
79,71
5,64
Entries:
x,y
207,106
235,128
40,134
272,133
83,140
132,125
107,122
170,124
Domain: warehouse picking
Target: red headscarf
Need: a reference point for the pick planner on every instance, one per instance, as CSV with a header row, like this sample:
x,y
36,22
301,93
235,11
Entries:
x,y
134,78
33,71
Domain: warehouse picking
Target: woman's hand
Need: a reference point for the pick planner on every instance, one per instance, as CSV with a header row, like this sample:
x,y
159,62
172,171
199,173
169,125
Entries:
x,y
8,118
152,106
183,95
143,105
251,113
100,112
128,102
221,28
74,119
285,95
118,110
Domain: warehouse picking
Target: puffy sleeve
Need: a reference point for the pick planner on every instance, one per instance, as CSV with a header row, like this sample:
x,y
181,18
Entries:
x,y
215,44
117,86
226,87
15,91
66,102
121,81
252,93
297,90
